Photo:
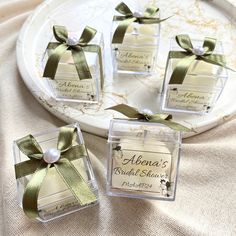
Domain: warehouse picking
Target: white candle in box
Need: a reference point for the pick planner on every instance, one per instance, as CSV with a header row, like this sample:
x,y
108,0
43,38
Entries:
x,y
200,73
53,190
139,48
67,85
143,158
55,197
199,89
66,66
145,35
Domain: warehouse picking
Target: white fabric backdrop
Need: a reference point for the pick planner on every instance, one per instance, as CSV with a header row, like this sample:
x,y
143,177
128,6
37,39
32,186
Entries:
x,y
206,193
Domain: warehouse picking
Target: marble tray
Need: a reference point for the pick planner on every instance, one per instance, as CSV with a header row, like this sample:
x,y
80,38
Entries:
x,y
210,18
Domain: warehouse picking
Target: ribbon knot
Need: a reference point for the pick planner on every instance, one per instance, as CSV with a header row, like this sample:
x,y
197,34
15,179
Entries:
x,y
77,48
61,159
204,53
129,17
162,118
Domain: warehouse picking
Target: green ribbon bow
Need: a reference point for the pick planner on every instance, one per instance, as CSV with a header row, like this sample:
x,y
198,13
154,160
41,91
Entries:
x,y
161,118
191,54
129,17
38,167
77,50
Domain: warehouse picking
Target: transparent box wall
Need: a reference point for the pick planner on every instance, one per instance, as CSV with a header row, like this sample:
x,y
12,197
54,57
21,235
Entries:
x,y
67,86
55,199
201,87
143,160
138,52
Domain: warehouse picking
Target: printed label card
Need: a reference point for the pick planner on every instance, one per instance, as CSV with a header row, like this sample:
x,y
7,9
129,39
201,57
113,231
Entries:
x,y
75,89
182,98
134,59
136,166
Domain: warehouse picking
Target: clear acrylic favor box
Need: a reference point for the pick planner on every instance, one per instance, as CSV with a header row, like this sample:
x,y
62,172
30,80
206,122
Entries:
x,y
201,87
143,160
55,199
138,52
67,86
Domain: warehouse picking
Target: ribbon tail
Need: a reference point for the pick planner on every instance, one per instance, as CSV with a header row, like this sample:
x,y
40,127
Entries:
x,y
53,61
162,116
120,18
216,60
171,124
120,31
164,19
181,70
75,182
30,197
126,110
81,63
153,20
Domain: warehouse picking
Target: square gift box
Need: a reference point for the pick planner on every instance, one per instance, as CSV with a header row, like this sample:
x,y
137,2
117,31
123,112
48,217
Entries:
x,y
203,84
68,85
136,52
71,173
143,160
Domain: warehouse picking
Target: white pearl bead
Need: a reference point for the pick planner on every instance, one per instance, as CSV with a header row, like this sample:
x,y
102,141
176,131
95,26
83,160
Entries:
x,y
137,14
198,51
52,155
147,111
72,39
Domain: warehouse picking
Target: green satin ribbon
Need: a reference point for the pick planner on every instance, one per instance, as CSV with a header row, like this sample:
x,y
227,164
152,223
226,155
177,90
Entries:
x,y
77,50
128,18
188,57
38,168
161,118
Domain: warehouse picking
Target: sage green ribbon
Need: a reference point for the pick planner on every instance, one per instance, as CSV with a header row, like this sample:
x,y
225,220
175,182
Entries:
x,y
129,17
161,118
69,151
77,50
189,56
